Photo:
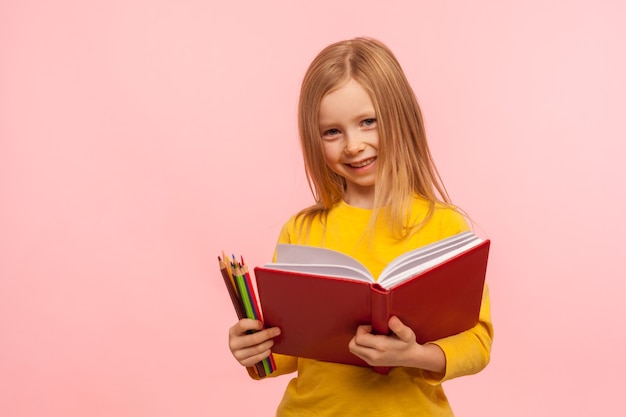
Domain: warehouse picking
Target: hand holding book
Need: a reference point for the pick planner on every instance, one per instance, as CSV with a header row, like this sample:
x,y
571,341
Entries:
x,y
239,285
400,348
251,344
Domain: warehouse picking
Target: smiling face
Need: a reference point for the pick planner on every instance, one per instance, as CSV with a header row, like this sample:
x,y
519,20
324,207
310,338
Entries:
x,y
349,131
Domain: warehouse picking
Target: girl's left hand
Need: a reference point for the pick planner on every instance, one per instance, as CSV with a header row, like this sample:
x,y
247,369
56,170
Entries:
x,y
399,349
381,350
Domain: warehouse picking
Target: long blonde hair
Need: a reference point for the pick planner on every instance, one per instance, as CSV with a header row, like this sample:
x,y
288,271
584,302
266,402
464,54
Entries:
x,y
405,164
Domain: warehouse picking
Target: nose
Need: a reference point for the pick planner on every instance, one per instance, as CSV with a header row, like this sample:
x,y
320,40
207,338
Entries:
x,y
354,144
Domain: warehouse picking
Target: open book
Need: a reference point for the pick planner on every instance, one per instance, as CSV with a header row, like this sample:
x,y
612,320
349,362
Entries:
x,y
318,296
328,262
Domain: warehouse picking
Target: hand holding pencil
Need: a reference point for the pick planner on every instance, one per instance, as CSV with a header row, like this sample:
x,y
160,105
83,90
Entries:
x,y
248,342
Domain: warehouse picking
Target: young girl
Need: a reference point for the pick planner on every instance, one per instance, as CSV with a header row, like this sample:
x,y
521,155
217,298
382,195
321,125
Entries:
x,y
377,195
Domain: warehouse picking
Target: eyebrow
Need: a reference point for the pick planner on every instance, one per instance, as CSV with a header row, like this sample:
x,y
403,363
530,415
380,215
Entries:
x,y
361,116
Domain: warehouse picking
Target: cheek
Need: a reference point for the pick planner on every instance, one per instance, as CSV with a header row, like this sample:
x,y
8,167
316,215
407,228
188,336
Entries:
x,y
329,150
332,157
373,139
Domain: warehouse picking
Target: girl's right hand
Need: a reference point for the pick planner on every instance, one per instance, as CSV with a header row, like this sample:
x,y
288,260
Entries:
x,y
250,348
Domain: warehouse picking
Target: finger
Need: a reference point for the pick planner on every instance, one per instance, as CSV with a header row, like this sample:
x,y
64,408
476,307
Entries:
x,y
356,348
364,336
251,361
252,355
246,349
243,326
237,341
363,351
402,331
364,329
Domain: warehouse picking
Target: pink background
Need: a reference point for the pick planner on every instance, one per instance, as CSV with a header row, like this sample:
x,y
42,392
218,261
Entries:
x,y
140,138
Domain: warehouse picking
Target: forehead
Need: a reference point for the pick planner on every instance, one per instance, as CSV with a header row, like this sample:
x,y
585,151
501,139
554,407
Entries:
x,y
349,99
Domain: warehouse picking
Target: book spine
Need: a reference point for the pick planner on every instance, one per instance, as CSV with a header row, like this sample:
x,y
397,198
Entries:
x,y
380,316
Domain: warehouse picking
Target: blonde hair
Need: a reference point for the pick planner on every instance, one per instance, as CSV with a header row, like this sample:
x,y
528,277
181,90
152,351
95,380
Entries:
x,y
405,165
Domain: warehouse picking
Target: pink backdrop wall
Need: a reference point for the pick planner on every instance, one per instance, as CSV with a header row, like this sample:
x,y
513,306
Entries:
x,y
140,138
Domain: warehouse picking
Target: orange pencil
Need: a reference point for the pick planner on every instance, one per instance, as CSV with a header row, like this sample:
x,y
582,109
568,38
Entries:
x,y
232,290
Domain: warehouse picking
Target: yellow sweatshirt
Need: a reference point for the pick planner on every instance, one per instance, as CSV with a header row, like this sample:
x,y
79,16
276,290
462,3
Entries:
x,y
329,389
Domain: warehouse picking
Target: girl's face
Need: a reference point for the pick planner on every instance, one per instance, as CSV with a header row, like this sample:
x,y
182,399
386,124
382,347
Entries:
x,y
349,132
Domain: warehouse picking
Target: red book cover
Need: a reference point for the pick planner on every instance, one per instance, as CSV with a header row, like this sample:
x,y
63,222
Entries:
x,y
318,314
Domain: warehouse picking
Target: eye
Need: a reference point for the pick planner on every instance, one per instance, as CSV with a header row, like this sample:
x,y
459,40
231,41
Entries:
x,y
331,133
369,122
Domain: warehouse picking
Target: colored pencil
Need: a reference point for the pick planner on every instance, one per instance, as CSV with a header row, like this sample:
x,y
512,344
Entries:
x,y
268,362
240,289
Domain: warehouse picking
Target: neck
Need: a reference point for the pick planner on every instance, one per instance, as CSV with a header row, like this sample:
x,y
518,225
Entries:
x,y
361,198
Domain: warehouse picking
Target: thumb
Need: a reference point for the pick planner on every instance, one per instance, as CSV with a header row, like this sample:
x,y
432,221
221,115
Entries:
x,y
402,331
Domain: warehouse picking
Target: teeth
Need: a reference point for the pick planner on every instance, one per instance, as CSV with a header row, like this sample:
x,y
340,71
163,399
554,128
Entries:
x,y
362,164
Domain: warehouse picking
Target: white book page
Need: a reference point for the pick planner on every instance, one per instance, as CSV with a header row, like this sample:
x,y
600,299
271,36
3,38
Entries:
x,y
301,254
426,263
426,253
338,271
435,246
